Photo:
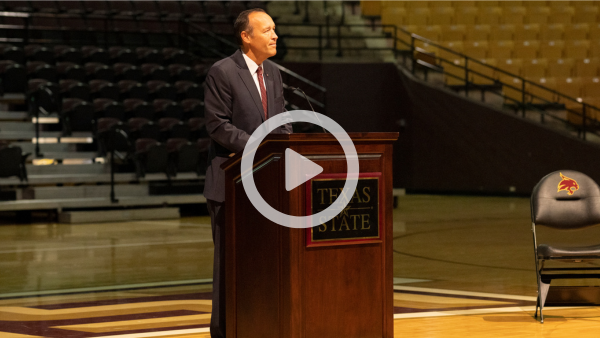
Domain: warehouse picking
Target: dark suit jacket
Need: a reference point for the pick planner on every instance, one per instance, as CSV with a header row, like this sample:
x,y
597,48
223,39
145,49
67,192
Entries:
x,y
233,110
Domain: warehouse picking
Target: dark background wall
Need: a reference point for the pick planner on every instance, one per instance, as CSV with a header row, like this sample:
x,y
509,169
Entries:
x,y
447,144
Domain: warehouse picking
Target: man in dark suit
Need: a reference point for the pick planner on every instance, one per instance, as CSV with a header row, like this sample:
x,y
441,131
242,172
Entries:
x,y
242,91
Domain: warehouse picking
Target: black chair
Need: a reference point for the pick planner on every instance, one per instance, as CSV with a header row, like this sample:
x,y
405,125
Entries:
x,y
45,94
189,90
71,88
99,71
173,128
197,128
77,115
104,89
70,71
142,128
13,162
41,70
184,156
39,53
176,55
150,156
192,108
122,54
130,89
161,90
95,54
127,71
108,108
138,108
181,72
149,55
68,54
154,71
13,76
10,52
167,108
565,200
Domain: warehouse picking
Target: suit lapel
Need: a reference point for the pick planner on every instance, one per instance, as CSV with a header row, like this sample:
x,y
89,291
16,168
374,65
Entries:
x,y
270,91
249,82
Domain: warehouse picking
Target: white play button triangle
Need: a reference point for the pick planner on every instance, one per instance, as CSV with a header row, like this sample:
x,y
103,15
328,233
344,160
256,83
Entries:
x,y
298,169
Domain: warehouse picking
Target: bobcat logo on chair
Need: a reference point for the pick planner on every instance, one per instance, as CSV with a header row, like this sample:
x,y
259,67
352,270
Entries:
x,y
567,184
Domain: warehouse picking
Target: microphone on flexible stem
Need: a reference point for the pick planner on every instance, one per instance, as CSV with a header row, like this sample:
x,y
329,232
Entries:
x,y
311,107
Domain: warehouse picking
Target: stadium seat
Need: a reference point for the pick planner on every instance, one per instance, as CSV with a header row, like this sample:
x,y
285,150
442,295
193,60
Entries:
x,y
122,55
197,128
108,108
41,70
528,32
173,128
130,89
476,49
578,31
418,16
13,76
98,71
513,14
70,70
586,14
97,7
138,108
189,90
502,32
72,88
542,94
571,87
534,68
454,74
442,16
591,86
487,73
142,128
171,9
68,54
13,162
150,157
501,49
154,71
127,71
526,50
76,115
455,46
561,68
149,55
161,90
465,15
104,89
595,48
563,15
176,55
181,72
489,15
453,33
74,7
393,16
577,49
429,32
537,15
479,33
18,6
511,68
192,108
184,156
587,67
95,54
10,52
39,53
553,32
164,108
551,49
46,94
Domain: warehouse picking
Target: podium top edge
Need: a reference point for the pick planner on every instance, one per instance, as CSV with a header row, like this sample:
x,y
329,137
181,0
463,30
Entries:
x,y
356,136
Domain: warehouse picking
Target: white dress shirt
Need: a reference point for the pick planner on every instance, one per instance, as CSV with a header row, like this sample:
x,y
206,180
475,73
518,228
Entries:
x,y
253,67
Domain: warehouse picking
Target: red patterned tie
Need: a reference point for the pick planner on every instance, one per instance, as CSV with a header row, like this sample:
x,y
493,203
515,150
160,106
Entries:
x,y
263,91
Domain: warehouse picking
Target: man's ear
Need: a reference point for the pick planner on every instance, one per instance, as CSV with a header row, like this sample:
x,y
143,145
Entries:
x,y
245,36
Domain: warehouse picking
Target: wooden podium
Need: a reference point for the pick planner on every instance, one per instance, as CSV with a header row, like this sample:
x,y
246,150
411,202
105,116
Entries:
x,y
330,281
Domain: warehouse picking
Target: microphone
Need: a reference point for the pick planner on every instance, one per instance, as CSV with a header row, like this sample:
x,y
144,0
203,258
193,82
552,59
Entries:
x,y
311,107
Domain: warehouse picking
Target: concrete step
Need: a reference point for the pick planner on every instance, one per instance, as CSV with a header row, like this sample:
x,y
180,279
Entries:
x,y
13,126
14,116
84,191
29,147
118,215
59,169
92,178
104,202
47,136
59,155
12,98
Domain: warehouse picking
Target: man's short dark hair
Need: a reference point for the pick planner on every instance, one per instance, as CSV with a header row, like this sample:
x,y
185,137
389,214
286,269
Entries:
x,y
242,22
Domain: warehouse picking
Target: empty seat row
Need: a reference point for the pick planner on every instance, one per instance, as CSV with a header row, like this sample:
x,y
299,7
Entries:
x,y
144,8
489,15
580,49
115,54
491,33
482,4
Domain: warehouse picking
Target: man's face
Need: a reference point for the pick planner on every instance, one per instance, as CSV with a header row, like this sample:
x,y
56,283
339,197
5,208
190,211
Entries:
x,y
263,40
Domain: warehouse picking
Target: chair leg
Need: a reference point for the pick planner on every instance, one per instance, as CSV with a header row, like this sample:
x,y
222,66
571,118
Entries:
x,y
543,287
537,305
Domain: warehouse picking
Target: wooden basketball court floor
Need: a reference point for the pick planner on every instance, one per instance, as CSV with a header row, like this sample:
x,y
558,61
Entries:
x,y
463,266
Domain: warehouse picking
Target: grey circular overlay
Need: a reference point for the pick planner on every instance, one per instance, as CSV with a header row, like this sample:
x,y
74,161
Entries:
x,y
248,159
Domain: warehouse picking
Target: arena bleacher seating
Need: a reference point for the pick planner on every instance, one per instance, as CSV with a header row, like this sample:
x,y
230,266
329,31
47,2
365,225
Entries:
x,y
550,43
